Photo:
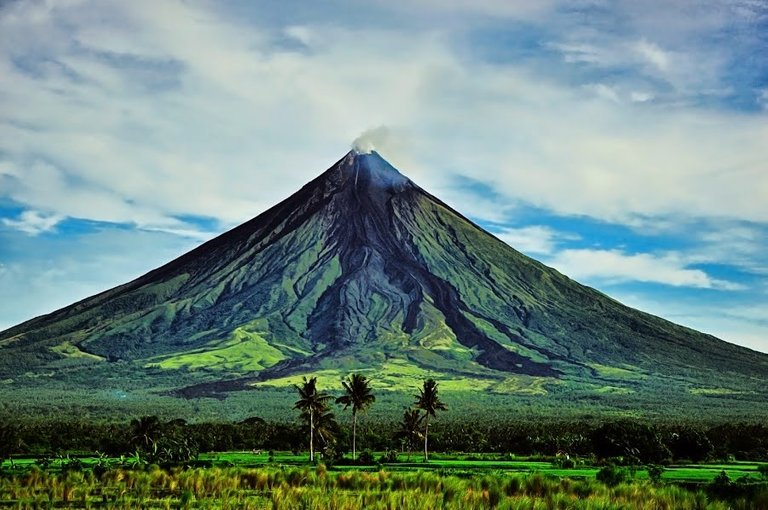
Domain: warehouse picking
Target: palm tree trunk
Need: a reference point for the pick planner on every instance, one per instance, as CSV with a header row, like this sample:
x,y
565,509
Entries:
x,y
311,436
354,433
426,434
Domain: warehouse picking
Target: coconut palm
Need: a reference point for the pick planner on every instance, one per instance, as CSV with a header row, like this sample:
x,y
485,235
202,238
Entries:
x,y
145,432
326,430
358,396
312,404
428,401
409,432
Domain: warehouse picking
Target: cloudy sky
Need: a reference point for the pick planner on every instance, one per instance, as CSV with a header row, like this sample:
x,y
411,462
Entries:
x,y
624,143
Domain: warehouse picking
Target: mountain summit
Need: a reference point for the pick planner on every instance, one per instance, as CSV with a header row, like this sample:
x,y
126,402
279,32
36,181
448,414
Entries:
x,y
361,269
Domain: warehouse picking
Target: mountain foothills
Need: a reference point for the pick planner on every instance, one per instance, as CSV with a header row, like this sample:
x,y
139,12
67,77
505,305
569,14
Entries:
x,y
362,270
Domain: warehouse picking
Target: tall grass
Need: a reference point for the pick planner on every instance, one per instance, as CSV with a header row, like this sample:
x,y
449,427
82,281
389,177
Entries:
x,y
309,488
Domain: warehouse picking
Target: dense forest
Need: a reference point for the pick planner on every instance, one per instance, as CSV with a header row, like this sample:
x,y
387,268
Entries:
x,y
628,440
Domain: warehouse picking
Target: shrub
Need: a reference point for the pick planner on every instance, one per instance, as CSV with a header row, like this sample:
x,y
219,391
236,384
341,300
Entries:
x,y
655,472
721,486
612,476
365,458
71,464
389,457
564,462
721,480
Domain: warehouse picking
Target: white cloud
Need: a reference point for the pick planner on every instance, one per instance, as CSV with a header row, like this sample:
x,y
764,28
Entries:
x,y
240,118
302,34
534,239
515,9
604,91
613,266
33,222
177,109
653,54
738,245
597,162
689,71
640,97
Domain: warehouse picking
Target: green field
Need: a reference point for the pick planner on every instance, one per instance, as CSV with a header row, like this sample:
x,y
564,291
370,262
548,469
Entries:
x,y
287,481
700,473
465,464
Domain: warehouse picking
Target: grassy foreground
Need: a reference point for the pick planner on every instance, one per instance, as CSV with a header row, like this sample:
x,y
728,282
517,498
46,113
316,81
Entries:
x,y
464,465
316,487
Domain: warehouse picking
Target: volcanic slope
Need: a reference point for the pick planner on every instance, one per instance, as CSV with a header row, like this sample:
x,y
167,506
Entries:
x,y
363,270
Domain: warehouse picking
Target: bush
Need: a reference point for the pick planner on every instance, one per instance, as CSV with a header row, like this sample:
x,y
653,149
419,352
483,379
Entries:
x,y
721,480
564,462
612,476
655,472
721,486
763,470
365,458
332,455
71,464
389,457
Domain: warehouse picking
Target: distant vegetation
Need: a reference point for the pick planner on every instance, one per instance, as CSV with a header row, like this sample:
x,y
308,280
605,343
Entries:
x,y
512,462
626,442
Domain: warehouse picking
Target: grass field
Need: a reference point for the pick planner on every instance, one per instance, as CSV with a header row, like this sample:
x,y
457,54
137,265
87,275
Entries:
x,y
316,488
442,463
283,480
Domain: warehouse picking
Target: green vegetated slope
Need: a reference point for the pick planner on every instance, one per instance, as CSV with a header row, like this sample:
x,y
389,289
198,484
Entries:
x,y
362,270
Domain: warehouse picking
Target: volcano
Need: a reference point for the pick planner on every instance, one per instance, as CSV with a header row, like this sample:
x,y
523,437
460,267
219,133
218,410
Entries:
x,y
362,269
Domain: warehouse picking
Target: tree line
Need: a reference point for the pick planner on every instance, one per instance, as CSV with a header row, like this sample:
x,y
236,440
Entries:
x,y
628,440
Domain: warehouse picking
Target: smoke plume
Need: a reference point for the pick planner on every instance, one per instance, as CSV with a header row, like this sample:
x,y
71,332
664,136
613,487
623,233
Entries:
x,y
372,139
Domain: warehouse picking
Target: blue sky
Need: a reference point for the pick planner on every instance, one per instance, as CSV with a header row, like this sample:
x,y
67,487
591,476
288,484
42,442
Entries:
x,y
624,143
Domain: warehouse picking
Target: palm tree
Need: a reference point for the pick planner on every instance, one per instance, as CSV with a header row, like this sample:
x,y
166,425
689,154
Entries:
x,y
428,401
312,404
326,429
409,432
358,395
145,431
